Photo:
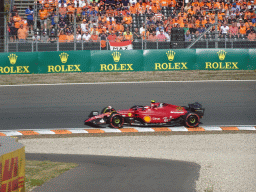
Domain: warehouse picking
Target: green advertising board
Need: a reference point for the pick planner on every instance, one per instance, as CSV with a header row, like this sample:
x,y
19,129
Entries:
x,y
18,63
132,60
168,60
117,61
222,59
64,62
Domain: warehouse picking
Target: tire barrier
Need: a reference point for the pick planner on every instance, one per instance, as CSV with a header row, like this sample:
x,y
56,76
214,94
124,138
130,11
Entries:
x,y
12,165
122,61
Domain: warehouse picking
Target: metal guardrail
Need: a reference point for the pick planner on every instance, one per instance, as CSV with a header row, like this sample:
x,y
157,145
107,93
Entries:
x,y
33,46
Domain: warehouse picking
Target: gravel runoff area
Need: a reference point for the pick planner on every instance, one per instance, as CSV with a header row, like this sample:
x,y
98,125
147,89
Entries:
x,y
228,161
126,76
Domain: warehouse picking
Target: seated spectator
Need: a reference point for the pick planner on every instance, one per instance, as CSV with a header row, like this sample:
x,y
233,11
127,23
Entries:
x,y
152,37
136,35
36,37
161,36
44,37
233,30
70,37
52,37
63,11
71,12
62,24
12,30
224,29
187,36
86,36
78,36
128,35
168,35
62,36
22,33
251,36
201,29
112,37
242,29
94,37
54,19
127,19
120,37
43,14
150,21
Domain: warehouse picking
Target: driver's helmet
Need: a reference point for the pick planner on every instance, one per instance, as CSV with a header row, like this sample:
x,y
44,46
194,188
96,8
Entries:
x,y
109,107
153,104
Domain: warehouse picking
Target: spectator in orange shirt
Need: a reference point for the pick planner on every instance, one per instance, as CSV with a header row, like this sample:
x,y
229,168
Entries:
x,y
94,37
22,33
62,37
43,14
127,19
112,37
152,37
133,9
70,37
71,12
128,35
63,11
120,37
119,27
242,29
16,20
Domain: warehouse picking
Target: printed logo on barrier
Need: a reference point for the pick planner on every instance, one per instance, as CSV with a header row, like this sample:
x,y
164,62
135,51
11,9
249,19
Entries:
x,y
222,54
63,57
129,114
14,69
221,65
13,58
170,55
169,65
116,67
116,56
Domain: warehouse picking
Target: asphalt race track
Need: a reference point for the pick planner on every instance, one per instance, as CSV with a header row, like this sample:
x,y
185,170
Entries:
x,y
67,106
107,173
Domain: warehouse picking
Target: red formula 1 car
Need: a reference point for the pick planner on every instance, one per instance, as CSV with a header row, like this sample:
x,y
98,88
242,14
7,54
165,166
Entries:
x,y
156,114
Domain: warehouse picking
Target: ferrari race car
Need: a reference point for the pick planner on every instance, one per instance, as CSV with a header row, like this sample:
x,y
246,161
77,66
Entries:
x,y
156,114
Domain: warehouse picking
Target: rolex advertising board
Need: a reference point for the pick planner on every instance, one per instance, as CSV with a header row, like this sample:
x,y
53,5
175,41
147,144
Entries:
x,y
64,61
116,61
18,63
222,59
252,56
168,60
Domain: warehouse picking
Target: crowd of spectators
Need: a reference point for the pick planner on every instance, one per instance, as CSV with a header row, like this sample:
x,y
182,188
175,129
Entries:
x,y
113,20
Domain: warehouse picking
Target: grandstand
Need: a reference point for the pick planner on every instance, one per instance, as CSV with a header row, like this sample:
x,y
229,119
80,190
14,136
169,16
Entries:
x,y
149,24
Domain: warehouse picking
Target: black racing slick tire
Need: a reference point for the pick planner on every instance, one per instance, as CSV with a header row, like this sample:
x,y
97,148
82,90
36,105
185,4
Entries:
x,y
116,121
192,120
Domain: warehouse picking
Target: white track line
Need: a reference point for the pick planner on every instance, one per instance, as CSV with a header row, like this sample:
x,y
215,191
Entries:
x,y
137,82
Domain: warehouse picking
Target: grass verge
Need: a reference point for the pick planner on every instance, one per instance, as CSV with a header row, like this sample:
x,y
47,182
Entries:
x,y
38,172
192,75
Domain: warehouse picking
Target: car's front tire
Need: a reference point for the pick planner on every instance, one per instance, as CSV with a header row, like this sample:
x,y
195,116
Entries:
x,y
116,121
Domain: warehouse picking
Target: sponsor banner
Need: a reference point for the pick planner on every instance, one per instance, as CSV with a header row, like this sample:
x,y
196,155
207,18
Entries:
x,y
222,59
18,63
125,45
169,60
12,166
252,57
116,61
64,61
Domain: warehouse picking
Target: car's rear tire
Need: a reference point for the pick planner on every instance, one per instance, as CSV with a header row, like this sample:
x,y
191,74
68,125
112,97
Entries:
x,y
116,121
192,120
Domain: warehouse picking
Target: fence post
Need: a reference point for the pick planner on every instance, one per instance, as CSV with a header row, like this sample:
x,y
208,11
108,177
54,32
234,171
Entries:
x,y
5,32
58,44
32,45
75,30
